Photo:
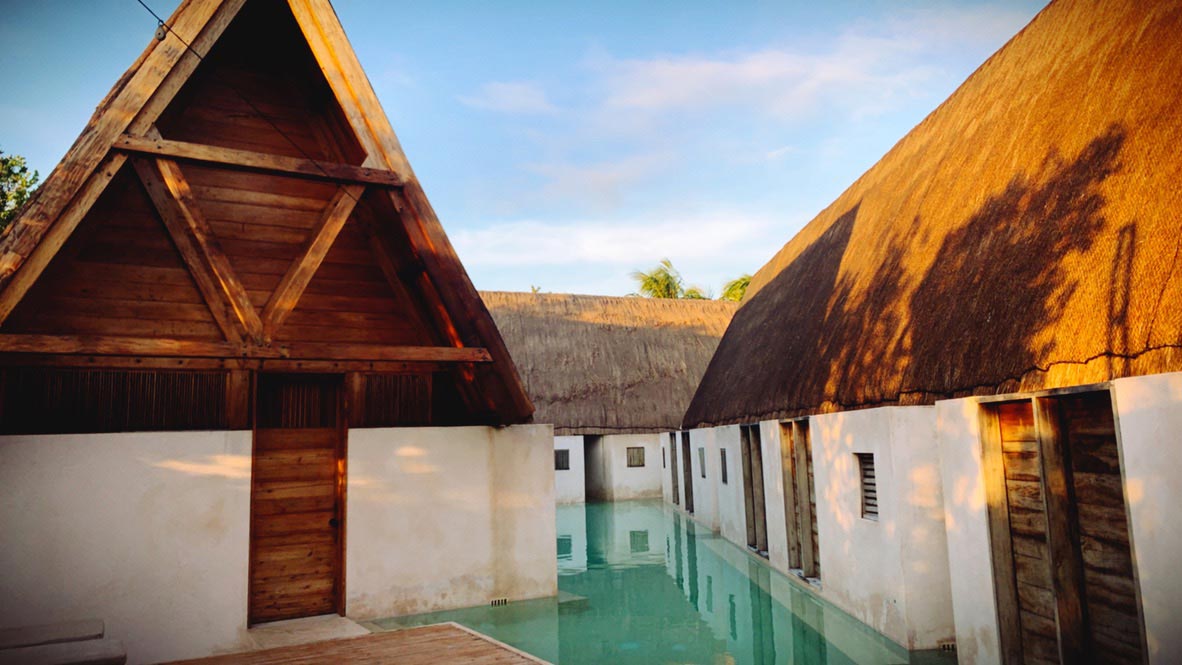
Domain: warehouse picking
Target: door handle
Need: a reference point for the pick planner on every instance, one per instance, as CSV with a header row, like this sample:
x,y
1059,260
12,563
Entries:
x,y
334,522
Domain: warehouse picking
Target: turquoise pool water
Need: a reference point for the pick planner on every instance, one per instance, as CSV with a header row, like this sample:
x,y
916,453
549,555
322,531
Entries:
x,y
639,583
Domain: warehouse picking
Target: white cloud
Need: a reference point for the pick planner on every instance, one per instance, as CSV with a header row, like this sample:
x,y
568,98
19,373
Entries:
x,y
781,152
599,186
510,97
866,70
618,242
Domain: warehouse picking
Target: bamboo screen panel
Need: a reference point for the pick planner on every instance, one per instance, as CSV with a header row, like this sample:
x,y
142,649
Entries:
x,y
41,400
394,400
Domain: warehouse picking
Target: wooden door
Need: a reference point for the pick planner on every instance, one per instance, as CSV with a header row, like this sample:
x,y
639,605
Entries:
x,y
800,500
753,490
297,498
1066,590
687,471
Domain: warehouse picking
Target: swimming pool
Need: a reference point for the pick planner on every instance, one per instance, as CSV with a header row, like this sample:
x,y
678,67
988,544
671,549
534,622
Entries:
x,y
640,583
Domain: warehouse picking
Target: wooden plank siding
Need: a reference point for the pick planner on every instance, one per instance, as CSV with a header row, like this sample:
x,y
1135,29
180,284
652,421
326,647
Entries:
x,y
1109,587
120,273
1064,575
1028,532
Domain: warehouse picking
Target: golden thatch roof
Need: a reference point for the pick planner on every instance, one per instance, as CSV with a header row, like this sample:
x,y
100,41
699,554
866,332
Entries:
x,y
1024,236
603,365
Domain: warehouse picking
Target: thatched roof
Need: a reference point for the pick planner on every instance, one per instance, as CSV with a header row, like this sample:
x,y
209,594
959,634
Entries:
x,y
603,365
1024,236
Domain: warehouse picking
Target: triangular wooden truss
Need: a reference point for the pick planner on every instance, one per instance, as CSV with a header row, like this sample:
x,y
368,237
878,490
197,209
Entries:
x,y
124,129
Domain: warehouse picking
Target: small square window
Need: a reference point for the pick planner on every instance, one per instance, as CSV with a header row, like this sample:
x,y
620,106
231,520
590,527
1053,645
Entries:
x,y
722,466
869,485
702,461
636,456
638,541
561,460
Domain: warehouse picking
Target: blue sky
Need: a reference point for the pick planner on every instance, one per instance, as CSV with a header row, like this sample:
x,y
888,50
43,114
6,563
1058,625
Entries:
x,y
565,144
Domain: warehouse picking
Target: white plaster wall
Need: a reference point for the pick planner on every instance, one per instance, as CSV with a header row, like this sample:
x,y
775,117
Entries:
x,y
666,478
1149,419
891,574
732,516
705,489
921,536
622,482
148,531
966,521
441,518
773,490
569,484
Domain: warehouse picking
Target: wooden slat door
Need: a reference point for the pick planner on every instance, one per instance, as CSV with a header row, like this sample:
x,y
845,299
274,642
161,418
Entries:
x,y
1063,566
297,506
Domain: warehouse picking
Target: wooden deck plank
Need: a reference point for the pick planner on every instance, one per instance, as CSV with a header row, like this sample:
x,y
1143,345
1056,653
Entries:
x,y
440,643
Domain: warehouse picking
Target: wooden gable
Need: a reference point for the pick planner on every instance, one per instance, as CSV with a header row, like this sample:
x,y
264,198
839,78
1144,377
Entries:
x,y
239,200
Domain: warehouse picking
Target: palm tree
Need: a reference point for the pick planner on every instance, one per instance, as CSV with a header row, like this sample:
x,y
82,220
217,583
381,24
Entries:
x,y
735,289
661,282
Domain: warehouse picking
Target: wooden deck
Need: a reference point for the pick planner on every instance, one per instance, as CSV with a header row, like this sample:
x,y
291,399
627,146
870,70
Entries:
x,y
441,643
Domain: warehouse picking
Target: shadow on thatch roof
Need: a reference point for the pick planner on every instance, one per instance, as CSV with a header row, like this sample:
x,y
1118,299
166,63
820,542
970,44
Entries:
x,y
605,365
1024,236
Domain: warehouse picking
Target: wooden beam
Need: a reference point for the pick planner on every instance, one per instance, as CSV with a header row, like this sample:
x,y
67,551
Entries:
x,y
257,161
445,354
800,452
1005,585
134,346
238,397
116,346
174,200
296,365
237,363
300,272
1063,542
354,399
199,23
57,235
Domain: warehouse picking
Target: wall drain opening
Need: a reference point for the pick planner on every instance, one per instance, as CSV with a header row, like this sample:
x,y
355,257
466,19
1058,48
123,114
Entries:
x,y
497,602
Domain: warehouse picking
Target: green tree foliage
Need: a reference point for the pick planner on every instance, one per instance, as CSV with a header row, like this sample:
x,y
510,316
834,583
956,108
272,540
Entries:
x,y
664,281
16,184
735,289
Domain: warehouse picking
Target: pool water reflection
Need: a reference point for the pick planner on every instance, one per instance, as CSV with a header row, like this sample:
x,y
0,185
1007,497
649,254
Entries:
x,y
640,583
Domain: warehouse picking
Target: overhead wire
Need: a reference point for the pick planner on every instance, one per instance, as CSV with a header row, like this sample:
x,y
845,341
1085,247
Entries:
x,y
161,24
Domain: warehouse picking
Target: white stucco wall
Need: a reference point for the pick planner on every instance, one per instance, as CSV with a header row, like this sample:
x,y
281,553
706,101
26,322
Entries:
x,y
732,516
705,489
967,527
892,574
666,478
148,531
1149,419
569,484
442,518
619,481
